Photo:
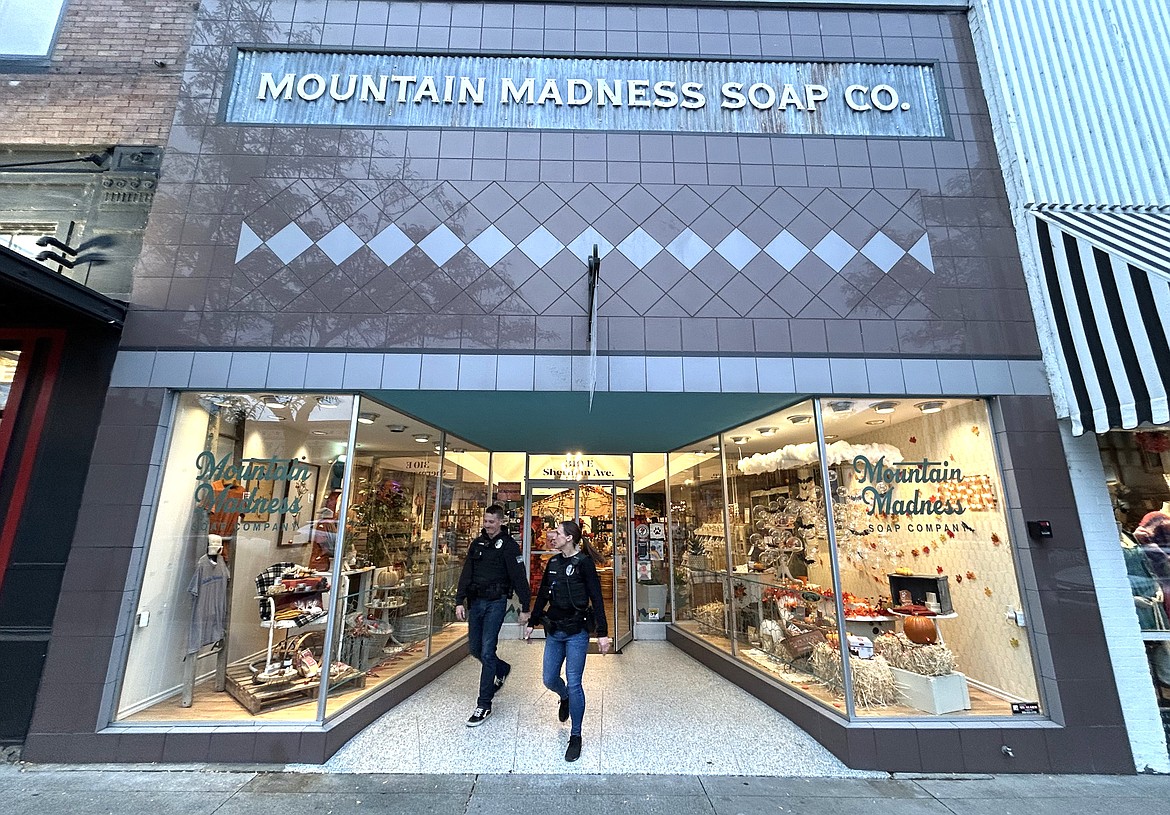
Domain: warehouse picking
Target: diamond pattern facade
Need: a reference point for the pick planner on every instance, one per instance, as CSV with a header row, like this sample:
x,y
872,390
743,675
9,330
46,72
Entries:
x,y
520,248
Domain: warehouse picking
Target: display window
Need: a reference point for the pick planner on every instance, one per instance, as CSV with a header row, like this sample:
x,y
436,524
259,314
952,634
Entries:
x,y
301,557
864,558
1137,472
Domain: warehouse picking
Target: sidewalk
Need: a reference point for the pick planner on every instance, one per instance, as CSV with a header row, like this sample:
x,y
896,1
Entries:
x,y
52,790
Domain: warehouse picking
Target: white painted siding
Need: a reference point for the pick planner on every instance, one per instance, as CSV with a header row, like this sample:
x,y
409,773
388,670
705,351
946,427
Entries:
x,y
1083,86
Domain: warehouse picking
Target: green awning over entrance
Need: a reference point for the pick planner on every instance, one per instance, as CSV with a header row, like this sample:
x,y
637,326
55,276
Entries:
x,y
559,421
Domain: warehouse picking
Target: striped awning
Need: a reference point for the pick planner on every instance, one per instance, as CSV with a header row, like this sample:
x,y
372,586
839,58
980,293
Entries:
x,y
1107,280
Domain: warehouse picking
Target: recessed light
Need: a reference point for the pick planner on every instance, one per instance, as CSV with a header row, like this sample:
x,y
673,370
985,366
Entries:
x,y
739,439
422,438
800,419
458,449
396,428
884,407
829,437
876,421
367,418
766,431
930,407
841,406
328,401
318,432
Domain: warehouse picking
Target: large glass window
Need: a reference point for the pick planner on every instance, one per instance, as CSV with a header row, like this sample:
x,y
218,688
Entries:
x,y
928,575
231,619
876,577
1137,471
27,27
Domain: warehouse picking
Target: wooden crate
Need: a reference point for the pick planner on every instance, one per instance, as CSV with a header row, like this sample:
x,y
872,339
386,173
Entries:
x,y
257,698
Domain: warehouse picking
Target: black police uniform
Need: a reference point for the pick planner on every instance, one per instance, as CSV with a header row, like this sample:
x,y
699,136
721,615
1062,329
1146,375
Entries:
x,y
569,591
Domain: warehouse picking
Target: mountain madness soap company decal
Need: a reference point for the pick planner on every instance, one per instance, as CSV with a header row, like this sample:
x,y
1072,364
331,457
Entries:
x,y
395,90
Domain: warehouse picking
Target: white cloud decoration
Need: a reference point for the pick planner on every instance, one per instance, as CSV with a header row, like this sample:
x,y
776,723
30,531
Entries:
x,y
804,455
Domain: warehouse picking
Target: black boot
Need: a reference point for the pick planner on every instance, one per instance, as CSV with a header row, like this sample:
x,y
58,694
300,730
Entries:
x,y
574,751
563,710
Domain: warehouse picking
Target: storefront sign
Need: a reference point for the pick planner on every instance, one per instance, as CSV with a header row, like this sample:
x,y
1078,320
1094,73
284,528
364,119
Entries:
x,y
215,494
579,467
679,96
882,478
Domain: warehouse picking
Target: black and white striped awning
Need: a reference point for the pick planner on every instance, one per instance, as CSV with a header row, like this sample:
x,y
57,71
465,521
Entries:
x,y
1107,280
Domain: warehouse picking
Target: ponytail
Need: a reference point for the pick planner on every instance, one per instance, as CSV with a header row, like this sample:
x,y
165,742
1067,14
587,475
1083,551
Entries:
x,y
573,530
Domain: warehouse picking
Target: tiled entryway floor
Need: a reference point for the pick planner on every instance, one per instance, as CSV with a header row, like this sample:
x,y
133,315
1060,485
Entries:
x,y
651,709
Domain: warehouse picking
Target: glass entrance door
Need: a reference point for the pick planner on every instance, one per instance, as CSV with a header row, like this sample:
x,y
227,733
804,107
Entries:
x,y
603,510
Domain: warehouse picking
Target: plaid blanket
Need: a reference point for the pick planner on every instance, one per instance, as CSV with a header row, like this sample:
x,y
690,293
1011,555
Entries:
x,y
309,605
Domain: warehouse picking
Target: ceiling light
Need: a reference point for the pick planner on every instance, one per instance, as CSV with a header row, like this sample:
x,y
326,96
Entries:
x,y
458,449
884,407
396,428
715,447
422,438
739,439
318,432
328,401
766,431
829,437
367,418
876,421
800,419
930,407
841,406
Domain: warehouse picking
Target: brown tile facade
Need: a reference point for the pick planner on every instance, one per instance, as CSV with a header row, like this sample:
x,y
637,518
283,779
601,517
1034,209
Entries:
x,y
336,279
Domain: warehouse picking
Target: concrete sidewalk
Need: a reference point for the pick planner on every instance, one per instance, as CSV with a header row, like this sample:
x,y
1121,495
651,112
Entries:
x,y
52,790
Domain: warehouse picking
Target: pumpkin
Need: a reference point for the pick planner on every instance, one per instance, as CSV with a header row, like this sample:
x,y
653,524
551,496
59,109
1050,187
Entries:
x,y
920,630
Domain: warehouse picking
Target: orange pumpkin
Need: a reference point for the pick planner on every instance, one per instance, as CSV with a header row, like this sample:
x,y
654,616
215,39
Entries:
x,y
920,630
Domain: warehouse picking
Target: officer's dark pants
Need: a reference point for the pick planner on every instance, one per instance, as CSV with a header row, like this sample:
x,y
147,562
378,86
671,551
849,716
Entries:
x,y
484,619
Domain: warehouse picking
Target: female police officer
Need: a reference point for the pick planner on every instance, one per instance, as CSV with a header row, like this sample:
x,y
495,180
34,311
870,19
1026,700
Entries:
x,y
569,604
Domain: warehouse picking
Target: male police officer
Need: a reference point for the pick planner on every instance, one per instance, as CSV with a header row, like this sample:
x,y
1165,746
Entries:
x,y
494,568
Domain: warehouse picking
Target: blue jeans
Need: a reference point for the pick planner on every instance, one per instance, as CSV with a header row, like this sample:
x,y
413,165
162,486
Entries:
x,y
568,650
484,618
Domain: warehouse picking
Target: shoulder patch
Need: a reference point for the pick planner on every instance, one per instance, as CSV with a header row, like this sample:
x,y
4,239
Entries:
x,y
520,559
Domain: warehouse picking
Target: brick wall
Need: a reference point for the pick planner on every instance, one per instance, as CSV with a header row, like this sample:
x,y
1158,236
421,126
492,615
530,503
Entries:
x,y
102,85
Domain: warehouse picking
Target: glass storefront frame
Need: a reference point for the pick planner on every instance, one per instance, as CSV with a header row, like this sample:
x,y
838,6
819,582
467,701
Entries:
x,y
729,580
734,649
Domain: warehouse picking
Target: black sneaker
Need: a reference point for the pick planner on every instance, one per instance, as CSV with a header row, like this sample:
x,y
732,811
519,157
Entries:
x,y
574,751
563,710
500,680
479,717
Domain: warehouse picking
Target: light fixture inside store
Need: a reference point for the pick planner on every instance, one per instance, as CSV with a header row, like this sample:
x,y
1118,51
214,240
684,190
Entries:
x,y
876,421
715,447
841,406
884,407
328,401
318,432
766,431
739,439
800,419
422,438
458,449
396,428
930,407
829,437
367,418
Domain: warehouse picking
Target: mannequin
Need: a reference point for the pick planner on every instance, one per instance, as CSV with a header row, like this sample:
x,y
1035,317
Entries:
x,y
209,587
322,534
1153,536
336,479
1147,594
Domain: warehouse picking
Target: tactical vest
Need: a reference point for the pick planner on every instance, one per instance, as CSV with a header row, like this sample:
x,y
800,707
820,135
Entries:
x,y
567,583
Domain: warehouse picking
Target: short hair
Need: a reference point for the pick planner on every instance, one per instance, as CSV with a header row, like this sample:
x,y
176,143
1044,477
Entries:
x,y
495,509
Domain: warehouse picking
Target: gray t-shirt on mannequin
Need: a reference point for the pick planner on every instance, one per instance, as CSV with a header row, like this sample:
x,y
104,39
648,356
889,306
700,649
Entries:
x,y
209,587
